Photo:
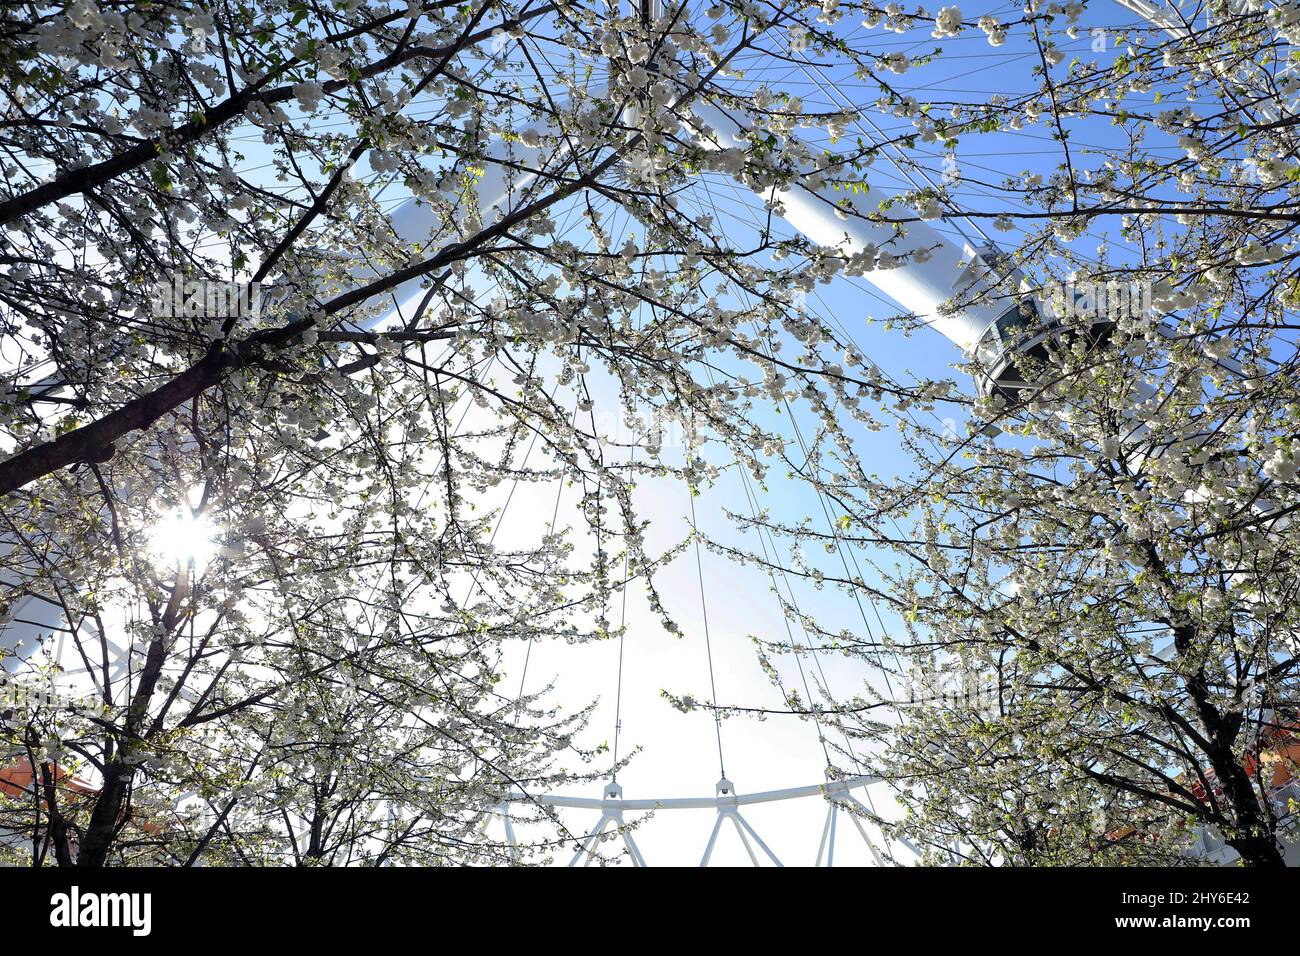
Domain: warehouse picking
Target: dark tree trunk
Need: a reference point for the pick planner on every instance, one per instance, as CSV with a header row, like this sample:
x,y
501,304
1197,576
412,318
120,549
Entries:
x,y
106,818
103,825
1253,837
1261,851
1249,829
58,826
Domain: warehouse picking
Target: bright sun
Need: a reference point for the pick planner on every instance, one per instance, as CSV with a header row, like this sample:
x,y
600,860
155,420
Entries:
x,y
180,537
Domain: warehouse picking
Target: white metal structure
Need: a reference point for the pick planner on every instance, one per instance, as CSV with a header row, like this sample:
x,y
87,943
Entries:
x,y
838,795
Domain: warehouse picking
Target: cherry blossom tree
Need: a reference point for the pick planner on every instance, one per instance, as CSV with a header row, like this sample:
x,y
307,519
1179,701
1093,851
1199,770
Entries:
x,y
1094,652
324,686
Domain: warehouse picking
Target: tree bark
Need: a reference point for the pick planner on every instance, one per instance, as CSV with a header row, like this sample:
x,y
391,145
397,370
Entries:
x,y
103,825
1253,837
58,825
89,442
1249,832
106,818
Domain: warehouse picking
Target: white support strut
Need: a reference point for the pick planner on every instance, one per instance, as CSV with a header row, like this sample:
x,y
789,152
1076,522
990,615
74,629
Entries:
x,y
686,803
